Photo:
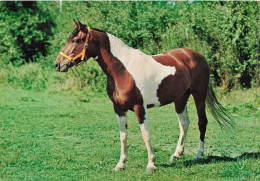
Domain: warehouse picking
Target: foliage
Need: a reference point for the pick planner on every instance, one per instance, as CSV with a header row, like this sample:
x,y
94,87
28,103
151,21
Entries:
x,y
24,32
139,24
38,78
224,32
27,77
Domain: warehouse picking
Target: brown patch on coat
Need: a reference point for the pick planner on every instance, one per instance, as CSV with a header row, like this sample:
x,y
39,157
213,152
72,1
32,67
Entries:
x,y
185,62
179,58
173,87
140,113
121,87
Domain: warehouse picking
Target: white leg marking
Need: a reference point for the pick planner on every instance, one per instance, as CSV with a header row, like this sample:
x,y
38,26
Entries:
x,y
184,122
147,139
123,138
200,152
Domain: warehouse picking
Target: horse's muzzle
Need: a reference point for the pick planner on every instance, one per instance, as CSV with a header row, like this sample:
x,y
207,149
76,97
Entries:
x,y
62,67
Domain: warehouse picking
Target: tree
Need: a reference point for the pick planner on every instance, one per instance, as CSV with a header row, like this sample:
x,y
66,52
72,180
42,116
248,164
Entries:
x,y
24,32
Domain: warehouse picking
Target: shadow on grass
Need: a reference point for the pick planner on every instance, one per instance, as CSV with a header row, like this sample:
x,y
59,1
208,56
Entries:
x,y
213,159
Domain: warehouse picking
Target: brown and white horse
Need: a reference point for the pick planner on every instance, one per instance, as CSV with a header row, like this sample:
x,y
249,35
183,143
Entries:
x,y
136,82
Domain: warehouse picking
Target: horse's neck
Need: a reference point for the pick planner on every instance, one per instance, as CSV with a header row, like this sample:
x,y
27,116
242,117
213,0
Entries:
x,y
114,56
117,46
123,52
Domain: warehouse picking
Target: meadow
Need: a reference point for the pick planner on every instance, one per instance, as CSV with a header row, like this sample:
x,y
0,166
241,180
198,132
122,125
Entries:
x,y
48,135
56,126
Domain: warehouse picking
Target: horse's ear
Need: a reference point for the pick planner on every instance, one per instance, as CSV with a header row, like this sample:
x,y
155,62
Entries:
x,y
81,27
76,24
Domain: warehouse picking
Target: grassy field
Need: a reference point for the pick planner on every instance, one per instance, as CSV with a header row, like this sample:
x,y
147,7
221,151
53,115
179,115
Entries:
x,y
74,136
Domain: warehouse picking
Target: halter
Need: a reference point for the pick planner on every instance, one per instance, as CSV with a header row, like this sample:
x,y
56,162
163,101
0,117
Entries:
x,y
82,54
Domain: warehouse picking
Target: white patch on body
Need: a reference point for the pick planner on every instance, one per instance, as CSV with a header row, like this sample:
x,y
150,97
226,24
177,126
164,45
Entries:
x,y
122,120
200,152
147,73
184,122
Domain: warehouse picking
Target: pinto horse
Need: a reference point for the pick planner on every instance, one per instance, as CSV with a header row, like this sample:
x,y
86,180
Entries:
x,y
136,82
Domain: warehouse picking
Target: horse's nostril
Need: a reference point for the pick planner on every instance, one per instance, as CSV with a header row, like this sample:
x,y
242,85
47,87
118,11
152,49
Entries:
x,y
57,66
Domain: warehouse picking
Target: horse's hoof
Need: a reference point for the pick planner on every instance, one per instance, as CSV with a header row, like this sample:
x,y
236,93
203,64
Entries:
x,y
150,169
198,157
173,157
116,169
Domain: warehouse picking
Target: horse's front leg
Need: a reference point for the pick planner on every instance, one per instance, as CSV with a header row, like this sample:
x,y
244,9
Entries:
x,y
141,115
122,120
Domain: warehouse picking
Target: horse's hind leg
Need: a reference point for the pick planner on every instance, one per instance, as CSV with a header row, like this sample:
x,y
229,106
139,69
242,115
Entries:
x,y
200,98
181,110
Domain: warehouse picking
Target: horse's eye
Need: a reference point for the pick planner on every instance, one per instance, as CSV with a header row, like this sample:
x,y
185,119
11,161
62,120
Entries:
x,y
76,41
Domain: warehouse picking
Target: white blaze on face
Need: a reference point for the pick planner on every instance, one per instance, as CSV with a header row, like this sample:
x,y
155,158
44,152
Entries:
x,y
146,72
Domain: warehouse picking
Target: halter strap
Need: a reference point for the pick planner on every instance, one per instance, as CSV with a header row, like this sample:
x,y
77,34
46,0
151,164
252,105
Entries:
x,y
82,54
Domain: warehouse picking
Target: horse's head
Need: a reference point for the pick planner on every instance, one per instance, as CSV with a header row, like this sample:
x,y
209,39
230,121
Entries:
x,y
78,48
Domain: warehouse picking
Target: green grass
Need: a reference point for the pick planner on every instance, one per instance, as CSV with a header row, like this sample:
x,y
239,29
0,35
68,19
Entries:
x,y
75,136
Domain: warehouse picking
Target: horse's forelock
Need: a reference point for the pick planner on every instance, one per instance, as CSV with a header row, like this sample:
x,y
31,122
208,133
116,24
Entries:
x,y
74,33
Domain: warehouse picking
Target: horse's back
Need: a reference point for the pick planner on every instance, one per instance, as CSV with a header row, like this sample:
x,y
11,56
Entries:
x,y
180,58
192,71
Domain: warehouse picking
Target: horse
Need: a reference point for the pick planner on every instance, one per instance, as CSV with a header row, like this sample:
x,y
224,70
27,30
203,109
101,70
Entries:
x,y
137,81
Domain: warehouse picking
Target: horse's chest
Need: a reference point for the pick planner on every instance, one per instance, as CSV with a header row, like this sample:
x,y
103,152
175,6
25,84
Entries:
x,y
124,93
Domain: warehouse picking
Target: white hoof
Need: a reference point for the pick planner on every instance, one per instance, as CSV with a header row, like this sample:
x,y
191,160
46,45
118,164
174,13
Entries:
x,y
119,166
116,169
198,156
150,168
174,157
200,152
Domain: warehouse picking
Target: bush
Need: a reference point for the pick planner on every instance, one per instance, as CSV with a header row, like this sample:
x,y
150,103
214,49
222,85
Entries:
x,y
31,76
24,32
224,32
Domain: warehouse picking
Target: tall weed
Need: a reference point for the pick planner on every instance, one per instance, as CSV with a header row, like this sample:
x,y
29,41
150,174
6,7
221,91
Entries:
x,y
29,76
35,76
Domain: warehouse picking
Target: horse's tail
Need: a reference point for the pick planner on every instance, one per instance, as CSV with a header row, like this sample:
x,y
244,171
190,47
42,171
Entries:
x,y
220,114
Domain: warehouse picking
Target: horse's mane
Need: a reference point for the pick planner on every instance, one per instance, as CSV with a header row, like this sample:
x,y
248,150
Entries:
x,y
98,30
76,31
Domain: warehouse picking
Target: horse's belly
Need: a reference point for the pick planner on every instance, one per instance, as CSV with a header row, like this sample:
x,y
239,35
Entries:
x,y
166,90
148,78
149,88
173,87
150,97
